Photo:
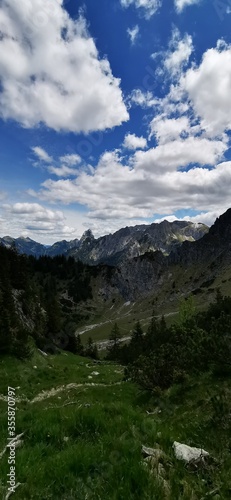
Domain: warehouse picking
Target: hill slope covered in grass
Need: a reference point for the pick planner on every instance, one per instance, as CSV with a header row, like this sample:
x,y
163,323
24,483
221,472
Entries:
x,y
83,432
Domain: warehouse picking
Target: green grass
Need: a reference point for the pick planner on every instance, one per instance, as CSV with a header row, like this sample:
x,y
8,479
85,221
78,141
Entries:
x,y
106,426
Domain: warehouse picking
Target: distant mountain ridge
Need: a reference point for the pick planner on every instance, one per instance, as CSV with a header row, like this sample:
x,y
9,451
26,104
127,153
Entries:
x,y
127,243
194,267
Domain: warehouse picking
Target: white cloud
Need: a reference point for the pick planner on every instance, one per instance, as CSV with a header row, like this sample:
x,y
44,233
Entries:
x,y
42,154
150,184
133,34
181,4
149,7
64,166
208,87
169,129
131,141
63,171
142,98
70,160
207,218
180,153
51,72
180,50
34,219
38,212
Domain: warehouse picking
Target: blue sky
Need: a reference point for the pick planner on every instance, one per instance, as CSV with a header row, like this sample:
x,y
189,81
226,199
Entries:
x,y
113,113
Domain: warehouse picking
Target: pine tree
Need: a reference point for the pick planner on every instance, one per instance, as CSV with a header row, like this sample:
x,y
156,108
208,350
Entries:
x,y
152,335
21,345
89,350
53,315
79,346
95,353
137,334
113,348
136,345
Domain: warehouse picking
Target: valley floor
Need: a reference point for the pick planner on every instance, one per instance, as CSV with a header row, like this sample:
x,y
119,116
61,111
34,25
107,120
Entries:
x,y
84,426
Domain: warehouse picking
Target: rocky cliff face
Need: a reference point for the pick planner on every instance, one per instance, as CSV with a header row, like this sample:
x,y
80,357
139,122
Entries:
x,y
131,242
215,243
190,267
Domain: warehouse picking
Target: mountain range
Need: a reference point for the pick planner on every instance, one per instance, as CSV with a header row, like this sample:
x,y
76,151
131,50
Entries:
x,y
113,249
151,267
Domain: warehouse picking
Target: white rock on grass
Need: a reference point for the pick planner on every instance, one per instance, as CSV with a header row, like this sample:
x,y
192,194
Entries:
x,y
188,453
95,373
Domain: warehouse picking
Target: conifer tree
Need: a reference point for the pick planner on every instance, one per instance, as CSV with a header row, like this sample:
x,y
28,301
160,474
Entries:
x,y
91,350
152,335
114,343
136,345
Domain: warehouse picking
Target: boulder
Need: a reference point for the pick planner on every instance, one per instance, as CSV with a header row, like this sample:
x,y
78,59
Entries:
x,y
188,453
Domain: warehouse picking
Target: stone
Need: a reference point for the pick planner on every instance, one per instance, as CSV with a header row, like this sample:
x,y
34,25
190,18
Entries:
x,y
188,453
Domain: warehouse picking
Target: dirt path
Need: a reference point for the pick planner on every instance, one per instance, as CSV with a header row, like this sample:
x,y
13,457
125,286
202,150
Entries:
x,y
56,390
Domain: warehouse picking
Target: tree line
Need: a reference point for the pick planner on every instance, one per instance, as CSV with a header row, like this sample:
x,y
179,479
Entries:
x,y
197,342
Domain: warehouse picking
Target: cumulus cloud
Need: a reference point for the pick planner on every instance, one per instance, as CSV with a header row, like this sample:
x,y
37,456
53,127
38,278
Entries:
x,y
168,129
180,153
141,98
38,212
208,87
133,34
51,71
181,4
150,184
35,219
149,7
131,141
180,50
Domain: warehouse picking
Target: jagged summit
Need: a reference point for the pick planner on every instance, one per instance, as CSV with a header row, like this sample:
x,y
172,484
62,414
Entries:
x,y
87,236
222,224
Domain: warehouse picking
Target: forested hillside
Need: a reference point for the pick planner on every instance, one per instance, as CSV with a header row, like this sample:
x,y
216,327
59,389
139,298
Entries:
x,y
33,307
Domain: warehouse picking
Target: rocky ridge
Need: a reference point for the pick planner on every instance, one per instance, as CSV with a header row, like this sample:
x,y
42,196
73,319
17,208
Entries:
x,y
113,249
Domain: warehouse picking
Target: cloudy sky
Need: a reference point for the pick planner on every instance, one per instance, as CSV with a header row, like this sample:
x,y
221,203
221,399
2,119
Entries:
x,y
113,113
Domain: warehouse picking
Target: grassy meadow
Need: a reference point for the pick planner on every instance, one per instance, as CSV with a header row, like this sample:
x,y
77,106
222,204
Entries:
x,y
83,433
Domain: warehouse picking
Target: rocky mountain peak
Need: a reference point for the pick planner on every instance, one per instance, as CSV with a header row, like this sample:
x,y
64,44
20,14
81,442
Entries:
x,y
222,223
87,236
